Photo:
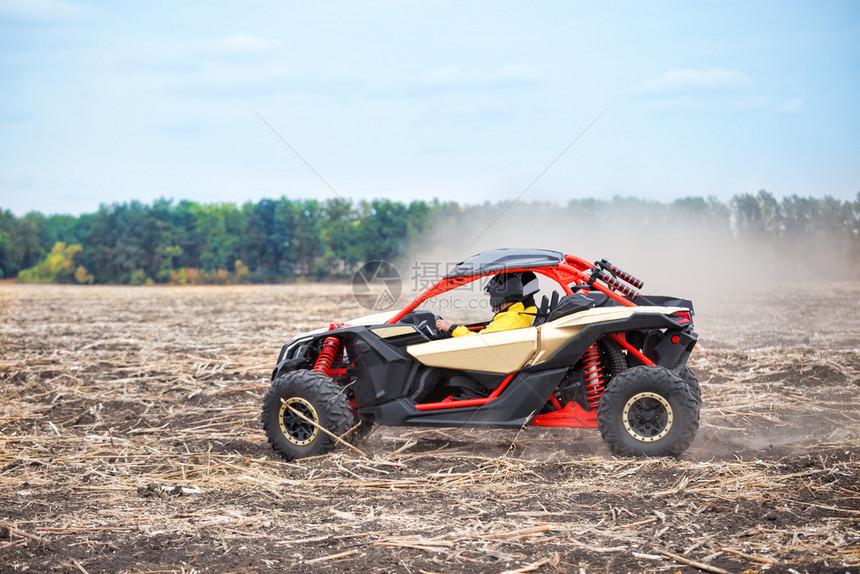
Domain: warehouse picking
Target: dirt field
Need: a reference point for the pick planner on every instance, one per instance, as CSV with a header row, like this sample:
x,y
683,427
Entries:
x,y
130,442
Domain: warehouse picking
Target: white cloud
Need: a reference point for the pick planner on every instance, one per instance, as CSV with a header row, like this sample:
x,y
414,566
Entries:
x,y
711,91
697,81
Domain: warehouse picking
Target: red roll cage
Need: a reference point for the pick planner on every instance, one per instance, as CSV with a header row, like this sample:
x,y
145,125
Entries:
x,y
571,270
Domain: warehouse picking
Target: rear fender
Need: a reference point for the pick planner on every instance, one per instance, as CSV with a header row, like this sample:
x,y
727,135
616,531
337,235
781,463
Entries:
x,y
571,352
675,347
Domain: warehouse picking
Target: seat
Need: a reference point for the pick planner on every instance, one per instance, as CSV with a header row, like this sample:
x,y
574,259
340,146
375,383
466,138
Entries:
x,y
570,304
547,304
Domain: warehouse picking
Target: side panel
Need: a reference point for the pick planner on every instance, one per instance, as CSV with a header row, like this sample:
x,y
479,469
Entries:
x,y
516,406
384,370
501,352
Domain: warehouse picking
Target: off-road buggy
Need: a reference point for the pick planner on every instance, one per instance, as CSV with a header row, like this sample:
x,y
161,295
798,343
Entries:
x,y
598,355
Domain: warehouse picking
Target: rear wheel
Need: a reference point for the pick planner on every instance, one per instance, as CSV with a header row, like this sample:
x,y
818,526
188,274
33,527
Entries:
x,y
648,411
295,407
692,382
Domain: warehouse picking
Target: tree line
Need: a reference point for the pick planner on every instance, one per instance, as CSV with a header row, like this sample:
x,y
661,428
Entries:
x,y
279,239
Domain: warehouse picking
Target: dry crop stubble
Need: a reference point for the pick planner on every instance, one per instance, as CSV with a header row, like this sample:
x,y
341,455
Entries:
x,y
130,442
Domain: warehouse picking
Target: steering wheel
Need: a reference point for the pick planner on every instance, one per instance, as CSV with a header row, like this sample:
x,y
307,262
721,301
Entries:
x,y
428,327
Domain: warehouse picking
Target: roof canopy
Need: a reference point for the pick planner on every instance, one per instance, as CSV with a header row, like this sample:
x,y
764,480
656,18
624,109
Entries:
x,y
496,260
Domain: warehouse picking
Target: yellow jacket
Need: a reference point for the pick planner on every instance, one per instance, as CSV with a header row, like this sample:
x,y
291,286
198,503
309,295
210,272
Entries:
x,y
514,317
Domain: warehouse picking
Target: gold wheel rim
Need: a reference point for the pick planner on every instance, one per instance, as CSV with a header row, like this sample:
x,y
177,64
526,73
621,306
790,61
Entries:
x,y
647,417
298,431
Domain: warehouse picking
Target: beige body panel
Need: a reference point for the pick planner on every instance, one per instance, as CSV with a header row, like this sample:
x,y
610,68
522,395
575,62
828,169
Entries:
x,y
556,333
499,352
393,331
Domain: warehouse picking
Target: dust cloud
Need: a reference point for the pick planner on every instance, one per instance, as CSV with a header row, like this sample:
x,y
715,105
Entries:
x,y
692,259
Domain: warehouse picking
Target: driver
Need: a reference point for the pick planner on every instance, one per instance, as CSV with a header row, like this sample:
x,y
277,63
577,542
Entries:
x,y
512,300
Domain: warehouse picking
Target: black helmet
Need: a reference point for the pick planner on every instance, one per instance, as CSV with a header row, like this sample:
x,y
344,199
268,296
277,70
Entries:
x,y
511,287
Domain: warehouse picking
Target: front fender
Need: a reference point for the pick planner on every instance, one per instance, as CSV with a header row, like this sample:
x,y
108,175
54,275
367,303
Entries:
x,y
285,366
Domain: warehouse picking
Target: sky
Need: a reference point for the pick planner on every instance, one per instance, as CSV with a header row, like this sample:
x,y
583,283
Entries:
x,y
104,102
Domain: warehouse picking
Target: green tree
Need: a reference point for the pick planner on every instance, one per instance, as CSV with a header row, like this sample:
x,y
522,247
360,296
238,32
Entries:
x,y
384,230
217,228
757,216
265,237
27,238
340,234
8,266
57,267
304,221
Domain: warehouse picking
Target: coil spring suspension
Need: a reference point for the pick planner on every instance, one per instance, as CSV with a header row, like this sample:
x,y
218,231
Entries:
x,y
330,350
593,374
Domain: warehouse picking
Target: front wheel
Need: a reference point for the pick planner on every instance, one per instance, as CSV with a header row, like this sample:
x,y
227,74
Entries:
x,y
321,404
648,411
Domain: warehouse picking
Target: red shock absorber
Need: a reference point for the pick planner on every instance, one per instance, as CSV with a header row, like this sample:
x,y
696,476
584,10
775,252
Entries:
x,y
331,348
593,372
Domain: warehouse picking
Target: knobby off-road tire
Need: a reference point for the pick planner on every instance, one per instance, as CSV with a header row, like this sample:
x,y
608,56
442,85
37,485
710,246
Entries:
x,y
692,382
319,399
648,411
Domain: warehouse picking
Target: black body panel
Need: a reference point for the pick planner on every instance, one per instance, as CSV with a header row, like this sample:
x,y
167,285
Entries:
x,y
664,301
516,406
